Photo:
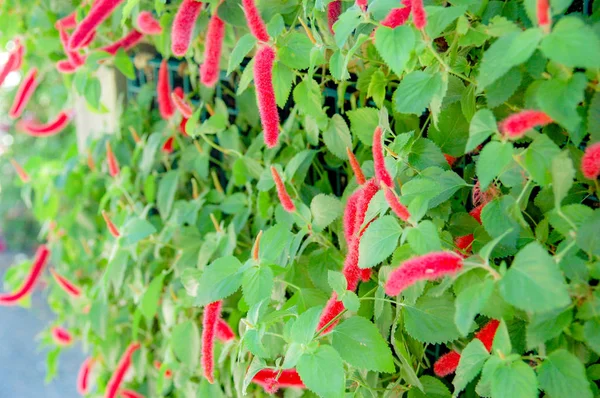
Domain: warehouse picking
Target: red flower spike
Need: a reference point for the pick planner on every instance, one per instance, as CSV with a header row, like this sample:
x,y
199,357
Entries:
x,y
212,312
381,172
397,16
430,266
256,247
183,26
68,22
51,128
181,104
362,4
168,373
476,212
543,14
590,162
209,70
332,309
74,57
255,22
163,92
464,243
128,41
168,145
419,14
358,174
89,38
350,215
265,95
24,93
182,126
61,336
487,333
109,224
446,364
23,176
65,67
369,189
282,193
99,12
83,377
66,285
223,331
131,394
365,274
39,262
450,159
351,270
8,67
398,208
515,126
111,159
334,9
114,384
269,380
147,24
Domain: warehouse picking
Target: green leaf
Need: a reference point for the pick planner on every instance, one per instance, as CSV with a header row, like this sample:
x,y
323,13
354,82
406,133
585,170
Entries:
x,y
244,45
283,78
501,342
395,46
305,326
545,326
345,25
167,187
257,284
452,131
378,87
439,18
124,64
471,362
538,159
423,238
593,117
572,43
563,375
502,89
363,122
149,301
337,137
588,238
494,158
325,209
379,241
434,388
93,91
591,334
360,344
431,319
482,126
563,173
560,99
135,230
322,371
307,95
219,280
506,52
294,50
514,380
337,281
416,91
185,342
534,282
470,302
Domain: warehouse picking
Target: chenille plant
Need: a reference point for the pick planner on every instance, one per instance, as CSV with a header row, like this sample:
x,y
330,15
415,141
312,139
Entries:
x,y
376,198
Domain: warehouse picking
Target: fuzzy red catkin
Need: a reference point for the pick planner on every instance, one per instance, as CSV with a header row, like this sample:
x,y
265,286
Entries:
x,y
114,231
516,125
209,70
168,145
212,312
476,212
183,26
111,159
350,215
65,67
24,93
126,42
267,378
255,22
430,266
358,174
163,92
61,336
114,384
419,14
284,197
39,262
83,376
487,332
223,331
19,52
397,207
23,176
381,172
53,127
68,22
182,106
66,285
446,364
147,24
464,243
332,309
590,162
450,159
131,394
362,4
182,125
74,57
543,14
397,16
334,9
88,39
351,271
99,12
265,95
8,67
369,189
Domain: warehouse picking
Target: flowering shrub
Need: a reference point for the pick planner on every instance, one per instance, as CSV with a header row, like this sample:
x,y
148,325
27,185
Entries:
x,y
376,198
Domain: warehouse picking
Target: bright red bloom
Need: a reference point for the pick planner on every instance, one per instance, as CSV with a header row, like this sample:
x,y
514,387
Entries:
x,y
182,126
83,377
180,103
381,172
116,379
446,364
358,174
66,285
23,176
362,4
39,262
53,127
369,189
351,270
284,197
212,312
114,231
131,394
168,373
74,57
111,159
464,243
419,14
396,17
68,22
65,67
350,216
128,41
223,331
183,26
7,67
209,70
24,93
334,9
487,333
99,12
333,308
163,92
269,380
430,266
265,95
476,212
147,24
168,145
450,159
516,125
590,162
255,22
398,208
88,39
543,14
61,336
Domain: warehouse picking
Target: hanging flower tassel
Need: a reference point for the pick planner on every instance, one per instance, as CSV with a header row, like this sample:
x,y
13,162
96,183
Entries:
x,y
111,159
66,285
182,106
39,262
515,126
212,312
223,331
167,147
255,22
24,93
284,197
127,42
209,71
590,162
419,14
543,15
99,12
163,92
83,376
272,380
114,231
183,26
334,9
397,207
114,384
265,94
147,24
381,172
397,16
51,128
358,174
61,336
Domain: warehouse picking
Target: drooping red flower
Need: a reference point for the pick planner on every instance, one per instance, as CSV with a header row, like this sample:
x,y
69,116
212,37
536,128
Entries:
x,y
334,9
350,215
99,12
223,331
24,93
419,14
333,308
181,104
23,176
163,92
369,189
212,313
147,24
88,39
358,174
516,125
61,336
65,67
351,270
430,266
255,22
209,70
450,159
272,380
182,125
487,333
111,159
73,56
68,22
265,95
168,145
131,394
114,384
543,14
51,128
114,231
476,212
7,68
590,162
83,377
464,243
66,285
381,172
446,364
284,197
39,262
397,17
362,4
183,26
398,208
128,41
